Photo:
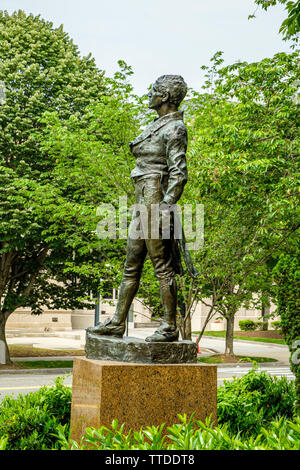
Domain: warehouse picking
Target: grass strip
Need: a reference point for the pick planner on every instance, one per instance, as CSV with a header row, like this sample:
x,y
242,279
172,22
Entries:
x,y
46,364
221,334
222,359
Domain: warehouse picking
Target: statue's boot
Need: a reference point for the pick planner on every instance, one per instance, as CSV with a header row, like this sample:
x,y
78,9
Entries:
x,y
116,325
167,331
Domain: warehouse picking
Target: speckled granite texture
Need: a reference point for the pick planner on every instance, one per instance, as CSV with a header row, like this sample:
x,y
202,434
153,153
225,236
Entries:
x,y
137,350
139,394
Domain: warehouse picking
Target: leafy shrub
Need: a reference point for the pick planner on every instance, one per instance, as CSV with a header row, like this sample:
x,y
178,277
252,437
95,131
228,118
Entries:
x,y
276,325
254,412
254,400
261,325
31,421
189,435
247,325
58,401
3,443
286,276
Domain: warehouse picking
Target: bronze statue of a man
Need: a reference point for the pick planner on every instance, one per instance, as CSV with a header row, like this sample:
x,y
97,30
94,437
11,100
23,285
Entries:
x,y
160,175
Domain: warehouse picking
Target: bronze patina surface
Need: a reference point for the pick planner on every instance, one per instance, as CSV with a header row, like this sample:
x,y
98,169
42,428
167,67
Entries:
x,y
136,350
160,175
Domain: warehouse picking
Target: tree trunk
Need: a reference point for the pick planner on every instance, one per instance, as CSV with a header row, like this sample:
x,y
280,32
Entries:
x,y
184,323
187,328
4,352
229,334
264,312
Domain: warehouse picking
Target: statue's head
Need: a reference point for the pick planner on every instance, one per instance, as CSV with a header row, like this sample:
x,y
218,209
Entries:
x,y
167,88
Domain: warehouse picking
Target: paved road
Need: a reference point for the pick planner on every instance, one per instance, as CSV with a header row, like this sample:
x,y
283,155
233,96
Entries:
x,y
227,373
15,384
251,348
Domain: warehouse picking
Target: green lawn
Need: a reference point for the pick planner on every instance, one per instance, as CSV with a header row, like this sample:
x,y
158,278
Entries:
x,y
221,334
220,359
46,364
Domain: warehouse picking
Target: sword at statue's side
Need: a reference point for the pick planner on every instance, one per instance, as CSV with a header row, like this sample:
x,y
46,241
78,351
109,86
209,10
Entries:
x,y
179,238
180,244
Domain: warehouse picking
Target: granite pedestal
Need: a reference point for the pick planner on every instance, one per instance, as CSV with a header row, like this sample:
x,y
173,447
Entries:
x,y
139,394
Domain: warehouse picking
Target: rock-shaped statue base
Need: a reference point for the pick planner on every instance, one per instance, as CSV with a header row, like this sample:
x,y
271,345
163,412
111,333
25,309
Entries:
x,y
136,350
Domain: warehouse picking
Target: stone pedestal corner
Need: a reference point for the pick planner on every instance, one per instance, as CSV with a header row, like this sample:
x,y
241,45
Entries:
x,y
140,395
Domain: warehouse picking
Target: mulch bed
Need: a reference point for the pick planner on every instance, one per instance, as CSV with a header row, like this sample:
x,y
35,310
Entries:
x,y
228,359
12,366
259,334
29,351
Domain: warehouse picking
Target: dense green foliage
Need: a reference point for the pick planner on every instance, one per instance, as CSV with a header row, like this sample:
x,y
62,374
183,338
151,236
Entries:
x,y
189,435
255,411
42,70
247,325
32,421
250,325
287,277
262,325
243,167
276,325
253,401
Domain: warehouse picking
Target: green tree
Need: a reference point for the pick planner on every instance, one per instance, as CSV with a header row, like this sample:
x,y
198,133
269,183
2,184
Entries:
x,y
286,275
244,168
42,70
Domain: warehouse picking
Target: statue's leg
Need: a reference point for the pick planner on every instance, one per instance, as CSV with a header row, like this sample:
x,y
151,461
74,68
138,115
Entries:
x,y
136,252
160,254
167,331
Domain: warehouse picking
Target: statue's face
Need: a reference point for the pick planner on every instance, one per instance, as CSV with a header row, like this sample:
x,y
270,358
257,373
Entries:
x,y
156,98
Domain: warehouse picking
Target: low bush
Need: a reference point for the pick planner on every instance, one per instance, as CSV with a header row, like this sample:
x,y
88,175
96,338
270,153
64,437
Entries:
x,y
254,400
32,421
281,434
254,412
261,325
276,325
247,325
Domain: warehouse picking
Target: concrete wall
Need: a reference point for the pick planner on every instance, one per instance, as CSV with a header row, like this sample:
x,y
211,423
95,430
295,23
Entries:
x,y
49,320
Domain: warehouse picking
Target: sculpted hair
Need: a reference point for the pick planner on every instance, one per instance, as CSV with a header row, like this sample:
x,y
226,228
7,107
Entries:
x,y
174,85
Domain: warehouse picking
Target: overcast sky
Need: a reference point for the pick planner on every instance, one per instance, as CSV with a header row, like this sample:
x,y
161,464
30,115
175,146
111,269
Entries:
x,y
159,37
